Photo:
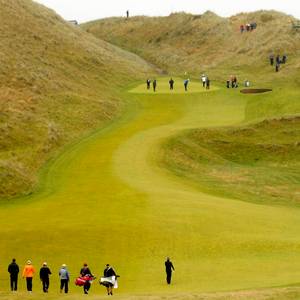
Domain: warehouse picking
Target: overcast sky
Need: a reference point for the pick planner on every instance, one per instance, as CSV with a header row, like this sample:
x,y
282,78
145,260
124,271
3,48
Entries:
x,y
86,10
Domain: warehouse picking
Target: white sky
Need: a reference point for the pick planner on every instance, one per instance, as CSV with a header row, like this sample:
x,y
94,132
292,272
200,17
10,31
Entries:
x,y
86,10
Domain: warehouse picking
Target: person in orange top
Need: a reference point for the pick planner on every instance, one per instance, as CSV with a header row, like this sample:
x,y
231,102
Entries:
x,y
28,273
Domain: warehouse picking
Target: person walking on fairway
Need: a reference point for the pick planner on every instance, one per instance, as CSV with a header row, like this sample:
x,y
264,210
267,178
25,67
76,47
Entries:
x,y
64,278
169,268
154,85
109,272
85,271
28,273
13,270
148,83
186,83
44,276
171,83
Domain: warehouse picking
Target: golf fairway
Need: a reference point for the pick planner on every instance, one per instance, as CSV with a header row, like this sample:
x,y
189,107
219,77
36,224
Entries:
x,y
107,200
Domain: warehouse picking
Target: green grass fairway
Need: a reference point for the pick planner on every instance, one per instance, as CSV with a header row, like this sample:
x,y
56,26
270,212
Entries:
x,y
195,86
108,199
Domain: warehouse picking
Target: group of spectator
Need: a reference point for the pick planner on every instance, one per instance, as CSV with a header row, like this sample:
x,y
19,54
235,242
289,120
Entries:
x,y
29,272
248,27
232,82
205,81
277,61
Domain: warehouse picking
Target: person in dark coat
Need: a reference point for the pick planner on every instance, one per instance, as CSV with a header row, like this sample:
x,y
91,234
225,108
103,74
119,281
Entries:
x,y
207,83
228,83
272,60
169,268
13,270
171,83
278,61
44,276
85,271
148,83
109,272
284,58
154,85
186,83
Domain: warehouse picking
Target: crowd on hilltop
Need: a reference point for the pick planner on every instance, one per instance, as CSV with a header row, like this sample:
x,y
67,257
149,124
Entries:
x,y
248,27
85,278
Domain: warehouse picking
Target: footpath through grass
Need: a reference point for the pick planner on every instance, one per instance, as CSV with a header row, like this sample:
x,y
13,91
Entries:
x,y
108,200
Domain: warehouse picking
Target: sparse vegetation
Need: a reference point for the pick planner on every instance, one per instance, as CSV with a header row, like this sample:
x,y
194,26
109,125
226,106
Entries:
x,y
57,84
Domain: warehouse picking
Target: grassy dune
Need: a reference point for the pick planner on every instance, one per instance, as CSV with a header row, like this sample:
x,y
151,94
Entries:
x,y
204,43
57,84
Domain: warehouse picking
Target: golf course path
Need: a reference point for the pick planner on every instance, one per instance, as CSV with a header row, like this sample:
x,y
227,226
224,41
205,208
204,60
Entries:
x,y
108,199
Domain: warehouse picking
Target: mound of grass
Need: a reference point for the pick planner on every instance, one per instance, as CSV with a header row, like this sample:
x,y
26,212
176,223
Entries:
x,y
196,43
57,84
257,162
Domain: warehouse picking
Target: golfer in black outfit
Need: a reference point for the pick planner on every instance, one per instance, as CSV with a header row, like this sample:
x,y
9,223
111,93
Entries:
x,y
171,83
85,271
169,268
109,272
44,276
13,270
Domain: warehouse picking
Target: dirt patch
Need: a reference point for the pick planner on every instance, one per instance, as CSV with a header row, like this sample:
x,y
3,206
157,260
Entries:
x,y
255,91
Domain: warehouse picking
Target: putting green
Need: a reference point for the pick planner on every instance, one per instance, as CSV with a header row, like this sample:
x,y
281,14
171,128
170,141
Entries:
x,y
107,200
194,86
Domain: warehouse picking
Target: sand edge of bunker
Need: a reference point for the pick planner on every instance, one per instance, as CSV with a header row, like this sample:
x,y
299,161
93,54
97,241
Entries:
x,y
255,91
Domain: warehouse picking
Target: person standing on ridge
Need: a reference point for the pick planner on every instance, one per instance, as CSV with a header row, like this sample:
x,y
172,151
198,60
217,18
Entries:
x,y
171,83
154,85
64,278
28,273
85,271
13,270
44,276
169,268
127,14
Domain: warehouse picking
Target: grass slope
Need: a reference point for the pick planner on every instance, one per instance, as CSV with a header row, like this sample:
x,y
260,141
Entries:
x,y
204,43
107,199
57,83
257,163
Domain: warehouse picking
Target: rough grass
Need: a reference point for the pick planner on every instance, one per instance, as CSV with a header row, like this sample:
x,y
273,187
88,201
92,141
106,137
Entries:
x,y
204,43
258,162
57,84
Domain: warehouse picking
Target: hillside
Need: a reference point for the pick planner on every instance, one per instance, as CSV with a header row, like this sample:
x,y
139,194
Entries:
x,y
56,84
201,43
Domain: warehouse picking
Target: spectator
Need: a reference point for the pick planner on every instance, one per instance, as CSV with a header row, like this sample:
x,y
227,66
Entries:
x,y
64,278
13,270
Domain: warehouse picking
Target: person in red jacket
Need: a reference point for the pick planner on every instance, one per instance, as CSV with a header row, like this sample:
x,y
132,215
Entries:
x,y
28,273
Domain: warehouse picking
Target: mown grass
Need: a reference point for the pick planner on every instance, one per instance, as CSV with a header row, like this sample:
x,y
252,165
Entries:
x,y
107,200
